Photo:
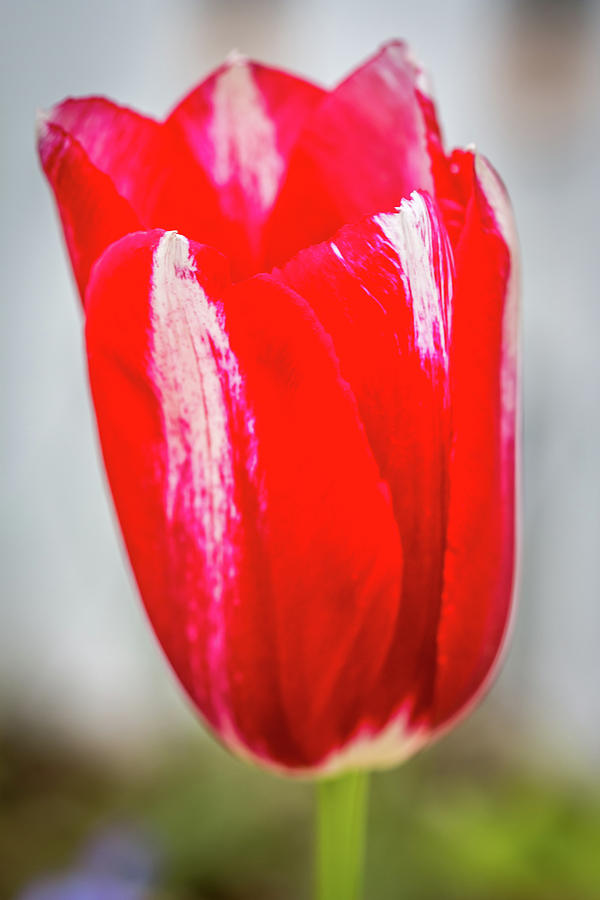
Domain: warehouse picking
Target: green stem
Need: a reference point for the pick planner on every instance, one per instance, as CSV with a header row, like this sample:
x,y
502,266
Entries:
x,y
341,827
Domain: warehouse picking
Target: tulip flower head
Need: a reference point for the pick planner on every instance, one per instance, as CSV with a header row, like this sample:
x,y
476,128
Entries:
x,y
300,316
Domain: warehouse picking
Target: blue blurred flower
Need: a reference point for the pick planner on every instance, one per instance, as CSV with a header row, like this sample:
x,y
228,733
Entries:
x,y
119,864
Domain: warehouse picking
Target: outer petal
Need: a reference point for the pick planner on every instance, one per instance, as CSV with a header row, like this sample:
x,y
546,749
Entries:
x,y
383,290
478,576
262,538
240,125
92,213
335,553
119,142
148,164
363,150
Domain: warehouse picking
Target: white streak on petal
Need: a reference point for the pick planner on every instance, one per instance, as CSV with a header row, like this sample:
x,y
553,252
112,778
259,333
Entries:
x,y
426,264
198,382
496,196
337,251
42,120
244,136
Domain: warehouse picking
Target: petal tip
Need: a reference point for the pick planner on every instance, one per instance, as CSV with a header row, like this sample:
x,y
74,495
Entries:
x,y
236,58
173,252
496,194
422,77
42,118
51,140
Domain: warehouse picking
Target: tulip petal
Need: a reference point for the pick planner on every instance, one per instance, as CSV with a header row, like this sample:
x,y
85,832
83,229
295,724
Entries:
x,y
93,214
335,553
144,385
149,165
478,576
363,149
262,537
240,125
382,290
119,142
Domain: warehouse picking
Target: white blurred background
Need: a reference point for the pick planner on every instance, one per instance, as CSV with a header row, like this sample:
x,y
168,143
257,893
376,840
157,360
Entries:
x,y
521,79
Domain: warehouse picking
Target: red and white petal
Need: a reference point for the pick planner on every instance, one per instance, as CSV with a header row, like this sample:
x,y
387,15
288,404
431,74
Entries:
x,y
364,149
92,213
479,566
118,141
261,535
148,163
334,554
155,354
240,125
382,290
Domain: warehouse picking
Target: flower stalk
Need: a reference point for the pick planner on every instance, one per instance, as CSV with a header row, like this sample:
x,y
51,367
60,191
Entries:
x,y
341,832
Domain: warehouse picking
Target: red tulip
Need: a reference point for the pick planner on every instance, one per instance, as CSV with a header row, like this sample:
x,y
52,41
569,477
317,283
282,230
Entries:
x,y
313,468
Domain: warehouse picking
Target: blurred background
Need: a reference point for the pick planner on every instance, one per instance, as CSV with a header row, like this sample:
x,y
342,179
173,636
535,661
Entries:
x,y
106,781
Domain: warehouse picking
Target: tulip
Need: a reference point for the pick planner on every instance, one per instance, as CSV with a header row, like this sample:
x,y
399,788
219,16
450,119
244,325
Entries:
x,y
301,331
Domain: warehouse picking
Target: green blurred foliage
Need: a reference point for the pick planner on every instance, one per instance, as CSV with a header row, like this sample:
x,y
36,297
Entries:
x,y
450,825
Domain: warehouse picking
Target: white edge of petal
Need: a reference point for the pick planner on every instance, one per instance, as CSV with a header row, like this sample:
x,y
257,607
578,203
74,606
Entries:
x,y
42,120
500,204
392,745
495,194
423,80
